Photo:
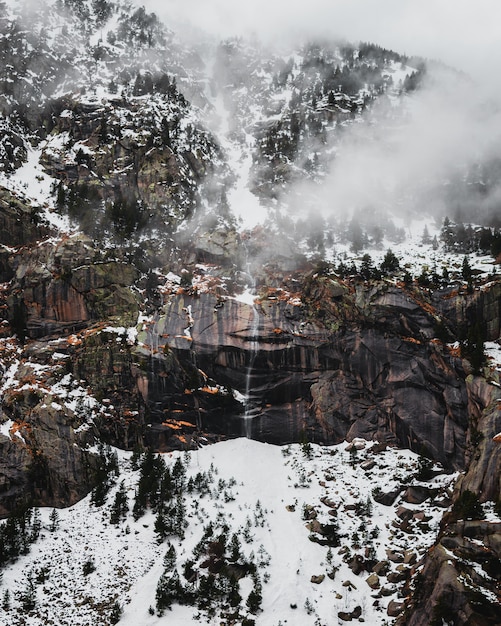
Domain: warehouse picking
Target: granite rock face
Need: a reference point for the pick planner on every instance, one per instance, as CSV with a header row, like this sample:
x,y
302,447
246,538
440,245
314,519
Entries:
x,y
67,285
368,372
462,571
44,460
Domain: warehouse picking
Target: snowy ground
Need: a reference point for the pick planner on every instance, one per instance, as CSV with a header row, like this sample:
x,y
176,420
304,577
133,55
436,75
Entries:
x,y
263,493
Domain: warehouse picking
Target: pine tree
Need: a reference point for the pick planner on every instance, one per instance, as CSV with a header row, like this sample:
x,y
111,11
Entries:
x,y
466,270
426,239
6,600
366,267
54,520
120,505
27,597
170,558
255,597
390,263
235,549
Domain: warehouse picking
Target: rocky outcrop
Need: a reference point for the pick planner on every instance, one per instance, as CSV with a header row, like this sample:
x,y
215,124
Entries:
x,y
20,222
462,308
366,368
461,573
44,461
133,155
66,285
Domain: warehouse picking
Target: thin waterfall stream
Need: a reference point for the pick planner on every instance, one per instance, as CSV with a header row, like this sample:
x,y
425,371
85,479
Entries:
x,y
253,340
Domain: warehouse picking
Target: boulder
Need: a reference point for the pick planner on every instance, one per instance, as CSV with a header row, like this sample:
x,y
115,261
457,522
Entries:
x,y
318,579
373,581
395,608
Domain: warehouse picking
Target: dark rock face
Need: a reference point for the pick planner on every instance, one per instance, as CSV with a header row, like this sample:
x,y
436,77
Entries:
x,y
460,308
67,286
361,380
20,223
462,572
43,457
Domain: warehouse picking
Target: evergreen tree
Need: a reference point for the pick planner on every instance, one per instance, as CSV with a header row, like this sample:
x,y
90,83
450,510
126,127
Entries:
x,y
27,596
426,239
169,590
366,267
466,270
120,505
170,558
6,600
390,263
255,597
54,520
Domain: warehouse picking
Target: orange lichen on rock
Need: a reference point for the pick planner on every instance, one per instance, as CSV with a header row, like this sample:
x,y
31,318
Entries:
x,y
16,426
412,340
212,390
454,351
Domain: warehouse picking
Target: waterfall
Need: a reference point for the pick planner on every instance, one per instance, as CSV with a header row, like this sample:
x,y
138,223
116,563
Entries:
x,y
253,340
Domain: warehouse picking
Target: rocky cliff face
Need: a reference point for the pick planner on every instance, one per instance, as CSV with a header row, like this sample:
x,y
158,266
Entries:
x,y
329,361
368,369
460,575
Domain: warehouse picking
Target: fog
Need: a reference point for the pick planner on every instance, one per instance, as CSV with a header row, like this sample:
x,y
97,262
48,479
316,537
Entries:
x,y
461,33
425,155
437,151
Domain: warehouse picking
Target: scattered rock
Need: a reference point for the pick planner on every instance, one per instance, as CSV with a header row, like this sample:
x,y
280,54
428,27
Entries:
x,y
368,465
395,608
356,564
349,584
417,494
386,591
404,513
397,577
373,581
318,579
410,557
394,556
348,617
381,568
387,498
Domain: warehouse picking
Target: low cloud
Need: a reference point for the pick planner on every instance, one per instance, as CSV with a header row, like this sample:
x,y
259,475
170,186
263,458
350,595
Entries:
x,y
459,32
434,151
435,154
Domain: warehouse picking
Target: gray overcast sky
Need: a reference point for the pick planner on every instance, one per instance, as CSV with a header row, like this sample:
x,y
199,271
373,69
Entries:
x,y
463,33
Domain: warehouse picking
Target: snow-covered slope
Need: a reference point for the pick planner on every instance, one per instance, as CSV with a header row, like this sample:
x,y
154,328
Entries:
x,y
304,515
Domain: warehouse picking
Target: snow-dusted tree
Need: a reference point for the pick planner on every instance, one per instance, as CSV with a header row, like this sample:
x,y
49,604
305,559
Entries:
x,y
54,520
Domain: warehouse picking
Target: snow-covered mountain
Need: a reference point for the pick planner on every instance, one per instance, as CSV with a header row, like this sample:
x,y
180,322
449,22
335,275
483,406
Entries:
x,y
207,243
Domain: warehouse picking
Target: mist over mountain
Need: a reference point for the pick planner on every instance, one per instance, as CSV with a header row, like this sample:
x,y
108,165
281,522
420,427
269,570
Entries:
x,y
218,234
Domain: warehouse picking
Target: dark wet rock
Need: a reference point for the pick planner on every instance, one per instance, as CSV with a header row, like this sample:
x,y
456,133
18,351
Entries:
x,y
387,498
467,550
418,494
44,460
348,616
395,608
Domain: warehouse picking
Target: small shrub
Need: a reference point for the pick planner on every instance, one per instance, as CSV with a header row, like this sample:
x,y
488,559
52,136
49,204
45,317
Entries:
x,y
88,567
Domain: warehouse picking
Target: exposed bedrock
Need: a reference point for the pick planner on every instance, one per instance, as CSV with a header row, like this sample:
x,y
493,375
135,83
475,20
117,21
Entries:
x,y
304,378
461,573
44,460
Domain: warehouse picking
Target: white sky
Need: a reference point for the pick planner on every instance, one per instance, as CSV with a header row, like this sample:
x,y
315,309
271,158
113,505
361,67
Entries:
x,y
463,33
